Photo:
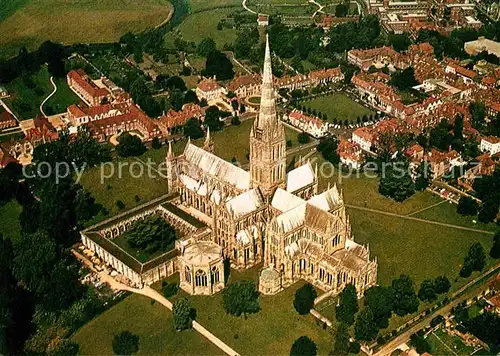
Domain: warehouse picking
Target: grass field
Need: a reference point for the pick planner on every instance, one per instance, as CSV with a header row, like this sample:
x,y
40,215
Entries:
x,y
271,331
204,24
125,184
63,98
444,344
197,5
28,93
337,106
151,322
9,220
30,22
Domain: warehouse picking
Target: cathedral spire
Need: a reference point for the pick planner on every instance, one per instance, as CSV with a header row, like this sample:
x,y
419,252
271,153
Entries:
x,y
170,153
209,144
267,118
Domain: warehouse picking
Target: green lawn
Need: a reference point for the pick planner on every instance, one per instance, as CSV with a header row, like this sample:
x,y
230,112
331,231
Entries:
x,y
29,23
28,93
271,331
197,5
125,186
9,220
445,344
63,98
204,24
151,322
337,106
140,255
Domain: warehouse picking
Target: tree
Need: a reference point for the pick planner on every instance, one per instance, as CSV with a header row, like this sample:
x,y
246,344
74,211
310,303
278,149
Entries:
x,y
478,114
400,42
182,313
46,271
341,344
303,346
474,261
65,347
427,292
304,299
365,327
190,97
467,206
404,79
130,145
495,248
218,65
489,210
303,137
125,343
420,343
151,234
206,46
380,300
341,10
424,176
177,99
212,118
442,284
328,149
348,305
396,181
240,297
155,144
235,120
458,127
405,298
192,128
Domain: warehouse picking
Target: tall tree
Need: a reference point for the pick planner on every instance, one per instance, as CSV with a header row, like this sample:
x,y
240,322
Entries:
x,y
240,297
182,312
380,300
396,181
304,299
365,327
206,46
348,305
405,298
474,261
467,206
219,66
424,176
192,128
495,248
442,284
125,343
341,344
427,291
303,346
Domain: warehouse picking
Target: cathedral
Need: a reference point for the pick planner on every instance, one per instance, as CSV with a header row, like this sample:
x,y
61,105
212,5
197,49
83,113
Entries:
x,y
266,215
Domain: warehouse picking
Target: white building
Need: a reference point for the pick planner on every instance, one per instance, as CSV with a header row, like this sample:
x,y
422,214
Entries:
x,y
491,145
364,138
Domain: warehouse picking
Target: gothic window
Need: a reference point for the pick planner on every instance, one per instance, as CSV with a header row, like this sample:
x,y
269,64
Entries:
x,y
321,274
312,268
302,265
329,278
215,275
187,274
201,278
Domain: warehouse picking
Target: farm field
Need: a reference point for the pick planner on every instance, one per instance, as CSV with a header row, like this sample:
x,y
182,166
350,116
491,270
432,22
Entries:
x,y
30,22
337,106
204,24
9,220
153,324
197,5
274,328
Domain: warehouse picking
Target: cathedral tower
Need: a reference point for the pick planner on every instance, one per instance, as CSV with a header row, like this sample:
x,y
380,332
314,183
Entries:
x,y
267,138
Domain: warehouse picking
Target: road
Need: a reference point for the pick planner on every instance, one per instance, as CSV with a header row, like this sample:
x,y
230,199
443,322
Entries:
x,y
244,4
388,348
49,96
320,8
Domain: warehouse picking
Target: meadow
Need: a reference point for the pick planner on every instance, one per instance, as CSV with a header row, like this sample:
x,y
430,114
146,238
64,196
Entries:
x,y
337,106
31,22
150,321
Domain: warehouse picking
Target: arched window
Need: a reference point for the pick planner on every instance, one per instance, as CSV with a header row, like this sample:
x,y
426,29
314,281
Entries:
x,y
201,278
187,274
215,275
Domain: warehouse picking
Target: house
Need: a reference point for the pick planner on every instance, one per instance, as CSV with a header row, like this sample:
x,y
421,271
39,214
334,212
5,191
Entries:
x,y
443,162
85,88
6,119
245,85
466,74
364,137
209,89
263,20
490,144
82,115
41,132
174,119
310,124
350,154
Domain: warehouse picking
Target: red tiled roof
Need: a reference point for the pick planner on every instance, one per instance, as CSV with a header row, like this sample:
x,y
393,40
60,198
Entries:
x,y
93,90
208,85
297,115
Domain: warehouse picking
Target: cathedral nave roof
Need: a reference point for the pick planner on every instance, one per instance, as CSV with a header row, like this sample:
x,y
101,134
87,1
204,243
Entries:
x,y
217,167
300,177
327,200
245,203
284,201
